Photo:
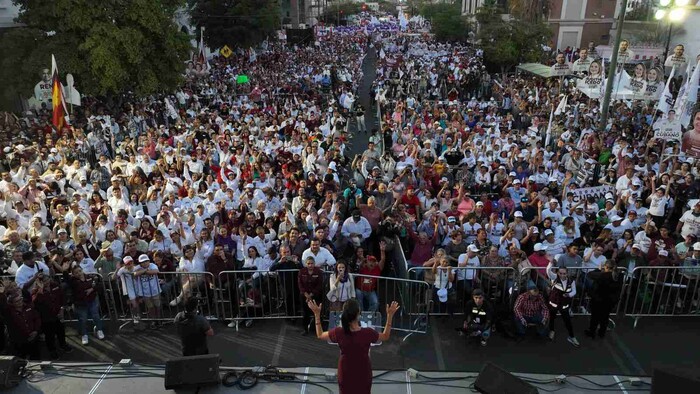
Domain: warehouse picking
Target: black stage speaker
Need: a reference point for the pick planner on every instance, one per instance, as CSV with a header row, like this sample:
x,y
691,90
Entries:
x,y
666,381
494,380
192,372
301,37
10,368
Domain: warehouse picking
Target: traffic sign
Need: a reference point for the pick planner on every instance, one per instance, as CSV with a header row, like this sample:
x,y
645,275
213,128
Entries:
x,y
225,51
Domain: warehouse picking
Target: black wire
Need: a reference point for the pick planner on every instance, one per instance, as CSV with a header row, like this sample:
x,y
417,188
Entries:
x,y
605,385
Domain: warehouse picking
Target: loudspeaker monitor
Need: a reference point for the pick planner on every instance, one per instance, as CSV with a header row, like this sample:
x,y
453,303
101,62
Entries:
x,y
665,381
10,368
192,372
494,380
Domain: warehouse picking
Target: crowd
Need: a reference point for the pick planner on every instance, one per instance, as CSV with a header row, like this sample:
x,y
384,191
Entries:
x,y
226,173
484,174
135,203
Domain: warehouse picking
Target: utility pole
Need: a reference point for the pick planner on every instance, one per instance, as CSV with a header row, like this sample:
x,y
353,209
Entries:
x,y
612,70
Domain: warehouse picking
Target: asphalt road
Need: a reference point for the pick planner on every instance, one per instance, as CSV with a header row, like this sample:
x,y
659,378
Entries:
x,y
359,140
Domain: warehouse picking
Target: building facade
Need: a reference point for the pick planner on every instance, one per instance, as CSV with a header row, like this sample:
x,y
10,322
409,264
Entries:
x,y
575,23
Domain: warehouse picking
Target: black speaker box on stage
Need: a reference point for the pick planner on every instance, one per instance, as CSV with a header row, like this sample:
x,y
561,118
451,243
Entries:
x,y
494,380
192,372
10,368
666,381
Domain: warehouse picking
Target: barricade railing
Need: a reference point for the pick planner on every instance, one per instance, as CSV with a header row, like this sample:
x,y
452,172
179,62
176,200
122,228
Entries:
x,y
247,295
375,292
158,298
663,291
69,311
580,303
495,282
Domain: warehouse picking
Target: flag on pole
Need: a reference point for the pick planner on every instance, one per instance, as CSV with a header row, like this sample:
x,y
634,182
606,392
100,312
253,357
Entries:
x,y
58,102
666,100
561,107
200,57
549,127
688,96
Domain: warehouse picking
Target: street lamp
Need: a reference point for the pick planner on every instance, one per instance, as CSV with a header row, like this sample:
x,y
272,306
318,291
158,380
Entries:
x,y
672,11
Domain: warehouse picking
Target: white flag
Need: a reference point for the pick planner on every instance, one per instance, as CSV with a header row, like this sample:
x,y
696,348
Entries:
x,y
561,107
688,97
666,100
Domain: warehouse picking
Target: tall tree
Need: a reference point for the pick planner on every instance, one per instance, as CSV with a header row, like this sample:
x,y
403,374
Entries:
x,y
509,41
110,46
236,23
448,24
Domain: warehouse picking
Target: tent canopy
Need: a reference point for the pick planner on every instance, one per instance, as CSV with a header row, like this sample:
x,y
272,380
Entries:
x,y
537,69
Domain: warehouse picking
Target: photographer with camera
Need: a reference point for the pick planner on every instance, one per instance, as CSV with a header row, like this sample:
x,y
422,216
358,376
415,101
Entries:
x,y
30,271
607,285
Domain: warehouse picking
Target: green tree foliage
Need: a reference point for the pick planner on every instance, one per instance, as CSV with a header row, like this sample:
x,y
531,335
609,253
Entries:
x,y
339,11
509,42
109,46
236,23
448,24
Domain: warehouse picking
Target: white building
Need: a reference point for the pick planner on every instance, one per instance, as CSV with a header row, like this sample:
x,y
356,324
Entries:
x,y
8,13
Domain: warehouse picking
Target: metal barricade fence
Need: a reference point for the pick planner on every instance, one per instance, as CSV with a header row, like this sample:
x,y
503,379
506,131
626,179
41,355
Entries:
x,y
495,282
580,303
157,298
250,295
375,292
69,311
663,291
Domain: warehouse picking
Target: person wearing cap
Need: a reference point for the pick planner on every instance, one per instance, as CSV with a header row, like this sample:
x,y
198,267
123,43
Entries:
x,y
107,262
125,274
356,230
552,211
605,294
147,287
443,290
466,278
530,309
658,200
514,188
478,319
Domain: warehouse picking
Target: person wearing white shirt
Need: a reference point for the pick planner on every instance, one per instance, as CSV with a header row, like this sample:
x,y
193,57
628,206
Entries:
x,y
593,258
465,277
356,229
29,270
553,212
87,264
243,242
189,265
322,256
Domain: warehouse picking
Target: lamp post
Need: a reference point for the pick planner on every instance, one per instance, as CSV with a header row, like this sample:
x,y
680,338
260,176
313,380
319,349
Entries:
x,y
613,67
671,11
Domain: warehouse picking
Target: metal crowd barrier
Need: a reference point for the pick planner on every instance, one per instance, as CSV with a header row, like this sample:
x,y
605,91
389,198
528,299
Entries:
x,y
662,291
69,310
247,295
496,283
159,298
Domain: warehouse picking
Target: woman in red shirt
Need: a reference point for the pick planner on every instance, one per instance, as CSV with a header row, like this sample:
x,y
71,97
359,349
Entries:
x,y
354,365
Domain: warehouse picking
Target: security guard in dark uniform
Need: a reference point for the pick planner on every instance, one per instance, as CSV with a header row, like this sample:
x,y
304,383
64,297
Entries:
x,y
479,317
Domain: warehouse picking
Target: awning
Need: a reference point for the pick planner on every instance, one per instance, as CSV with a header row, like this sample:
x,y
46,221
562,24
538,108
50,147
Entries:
x,y
536,68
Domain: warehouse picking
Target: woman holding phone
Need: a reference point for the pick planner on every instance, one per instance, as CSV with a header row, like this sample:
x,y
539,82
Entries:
x,y
354,365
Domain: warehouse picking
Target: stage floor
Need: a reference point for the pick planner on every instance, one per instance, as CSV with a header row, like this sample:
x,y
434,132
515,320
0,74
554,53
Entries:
x,y
113,378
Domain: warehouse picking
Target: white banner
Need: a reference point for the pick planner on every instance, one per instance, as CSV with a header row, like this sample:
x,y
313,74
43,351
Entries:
x,y
598,192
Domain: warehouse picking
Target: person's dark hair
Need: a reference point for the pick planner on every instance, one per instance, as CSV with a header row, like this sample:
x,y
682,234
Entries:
x,y
351,309
191,305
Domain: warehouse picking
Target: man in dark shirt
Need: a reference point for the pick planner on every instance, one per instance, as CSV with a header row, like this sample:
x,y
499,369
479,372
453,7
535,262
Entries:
x,y
311,288
529,212
479,316
193,330
591,226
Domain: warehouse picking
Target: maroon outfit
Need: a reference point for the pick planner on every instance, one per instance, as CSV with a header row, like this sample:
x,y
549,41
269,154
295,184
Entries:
x,y
354,365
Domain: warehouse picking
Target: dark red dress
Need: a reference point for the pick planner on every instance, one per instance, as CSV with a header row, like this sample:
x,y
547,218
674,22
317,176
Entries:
x,y
354,365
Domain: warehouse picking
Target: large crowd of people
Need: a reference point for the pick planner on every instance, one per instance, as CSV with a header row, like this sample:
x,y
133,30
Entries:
x,y
142,205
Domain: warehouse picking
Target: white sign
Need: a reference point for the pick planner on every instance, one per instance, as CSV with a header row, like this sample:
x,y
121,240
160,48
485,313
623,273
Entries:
x,y
560,69
668,130
598,192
